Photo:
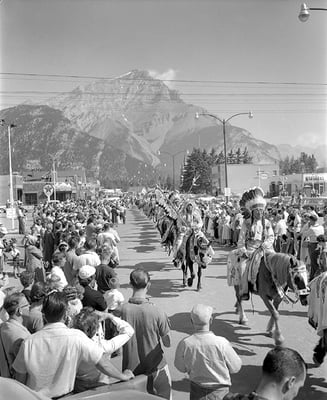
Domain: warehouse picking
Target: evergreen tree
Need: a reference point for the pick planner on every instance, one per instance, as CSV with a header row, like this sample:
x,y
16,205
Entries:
x,y
302,164
220,158
231,157
247,159
238,156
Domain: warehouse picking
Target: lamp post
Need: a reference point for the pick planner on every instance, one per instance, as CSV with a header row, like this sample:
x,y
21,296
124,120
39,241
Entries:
x,y
54,173
305,12
224,121
173,159
11,187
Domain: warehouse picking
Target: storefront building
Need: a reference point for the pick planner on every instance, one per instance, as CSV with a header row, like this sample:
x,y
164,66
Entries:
x,y
17,181
309,185
241,177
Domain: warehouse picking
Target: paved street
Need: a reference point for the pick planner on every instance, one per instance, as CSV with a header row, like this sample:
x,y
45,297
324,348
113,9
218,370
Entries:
x,y
140,246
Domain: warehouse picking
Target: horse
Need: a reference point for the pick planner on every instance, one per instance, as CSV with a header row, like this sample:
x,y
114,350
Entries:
x,y
317,314
198,250
276,273
168,231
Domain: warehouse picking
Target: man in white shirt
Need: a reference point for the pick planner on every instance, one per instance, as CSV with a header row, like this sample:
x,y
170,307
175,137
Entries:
x,y
208,359
89,257
48,360
280,231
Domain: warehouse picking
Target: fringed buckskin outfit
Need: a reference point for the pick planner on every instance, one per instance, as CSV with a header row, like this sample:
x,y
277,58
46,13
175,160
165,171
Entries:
x,y
256,237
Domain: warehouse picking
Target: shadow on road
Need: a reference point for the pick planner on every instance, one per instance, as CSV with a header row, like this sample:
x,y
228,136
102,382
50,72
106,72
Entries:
x,y
164,288
150,266
292,313
143,249
181,322
181,386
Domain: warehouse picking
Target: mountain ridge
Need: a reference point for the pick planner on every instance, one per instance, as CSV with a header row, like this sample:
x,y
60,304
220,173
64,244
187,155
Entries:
x,y
125,122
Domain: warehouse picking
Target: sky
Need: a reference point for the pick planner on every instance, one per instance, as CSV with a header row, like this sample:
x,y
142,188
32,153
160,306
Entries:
x,y
227,56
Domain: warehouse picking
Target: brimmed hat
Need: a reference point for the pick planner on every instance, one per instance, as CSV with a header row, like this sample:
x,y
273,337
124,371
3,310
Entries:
x,y
86,271
201,314
63,244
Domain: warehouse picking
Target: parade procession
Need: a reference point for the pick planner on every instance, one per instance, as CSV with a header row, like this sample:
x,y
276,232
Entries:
x,y
82,312
163,200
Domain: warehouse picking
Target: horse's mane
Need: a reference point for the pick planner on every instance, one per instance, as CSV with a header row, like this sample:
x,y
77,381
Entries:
x,y
278,264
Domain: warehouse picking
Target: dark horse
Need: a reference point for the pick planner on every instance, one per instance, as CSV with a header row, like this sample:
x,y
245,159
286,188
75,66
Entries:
x,y
167,228
197,250
277,272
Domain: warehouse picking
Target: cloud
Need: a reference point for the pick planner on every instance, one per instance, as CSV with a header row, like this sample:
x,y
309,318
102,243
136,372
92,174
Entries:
x,y
311,139
166,76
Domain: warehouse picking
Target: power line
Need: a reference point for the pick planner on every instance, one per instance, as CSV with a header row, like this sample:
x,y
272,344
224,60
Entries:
x,y
124,77
5,92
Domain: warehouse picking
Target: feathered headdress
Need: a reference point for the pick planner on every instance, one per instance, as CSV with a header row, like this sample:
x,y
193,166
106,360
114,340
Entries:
x,y
253,198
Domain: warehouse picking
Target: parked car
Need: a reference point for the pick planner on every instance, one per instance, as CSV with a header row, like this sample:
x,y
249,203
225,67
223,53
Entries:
x,y
135,389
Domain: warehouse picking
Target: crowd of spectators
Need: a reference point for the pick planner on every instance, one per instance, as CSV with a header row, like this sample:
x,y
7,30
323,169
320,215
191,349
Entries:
x,y
70,310
300,232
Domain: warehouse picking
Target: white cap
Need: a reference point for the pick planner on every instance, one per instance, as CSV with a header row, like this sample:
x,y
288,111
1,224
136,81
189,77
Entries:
x,y
86,271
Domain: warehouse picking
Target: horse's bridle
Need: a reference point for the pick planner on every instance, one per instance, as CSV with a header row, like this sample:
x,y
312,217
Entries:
x,y
299,270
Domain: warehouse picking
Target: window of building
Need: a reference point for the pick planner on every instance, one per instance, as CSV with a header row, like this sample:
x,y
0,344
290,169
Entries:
x,y
30,199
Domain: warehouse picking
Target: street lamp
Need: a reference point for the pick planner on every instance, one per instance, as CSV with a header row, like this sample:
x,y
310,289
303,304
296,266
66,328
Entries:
x,y
54,173
173,159
305,12
11,188
224,121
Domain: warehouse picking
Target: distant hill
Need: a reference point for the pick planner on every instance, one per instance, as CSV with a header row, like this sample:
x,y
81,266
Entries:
x,y
319,152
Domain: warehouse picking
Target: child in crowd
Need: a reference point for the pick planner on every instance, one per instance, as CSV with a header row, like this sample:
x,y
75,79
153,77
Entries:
x,y
5,290
58,263
15,254
113,297
27,281
74,304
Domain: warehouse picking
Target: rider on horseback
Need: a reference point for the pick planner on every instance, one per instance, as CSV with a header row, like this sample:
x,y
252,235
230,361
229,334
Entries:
x,y
189,223
256,236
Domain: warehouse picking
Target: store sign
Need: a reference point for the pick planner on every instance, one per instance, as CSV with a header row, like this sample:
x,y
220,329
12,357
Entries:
x,y
227,192
315,177
11,213
48,190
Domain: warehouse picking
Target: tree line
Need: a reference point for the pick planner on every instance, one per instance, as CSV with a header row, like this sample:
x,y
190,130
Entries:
x,y
304,164
196,172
